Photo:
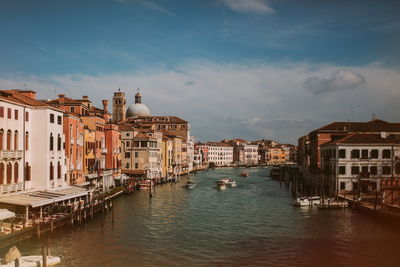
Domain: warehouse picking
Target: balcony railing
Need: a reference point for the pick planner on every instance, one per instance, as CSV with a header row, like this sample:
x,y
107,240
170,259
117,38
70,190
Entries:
x,y
10,154
9,188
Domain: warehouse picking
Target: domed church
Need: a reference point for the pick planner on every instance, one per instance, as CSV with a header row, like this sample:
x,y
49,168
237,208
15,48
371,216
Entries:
x,y
137,109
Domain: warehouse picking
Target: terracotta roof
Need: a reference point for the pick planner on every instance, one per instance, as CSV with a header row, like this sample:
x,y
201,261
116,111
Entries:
x,y
14,95
357,138
369,126
137,172
158,119
66,100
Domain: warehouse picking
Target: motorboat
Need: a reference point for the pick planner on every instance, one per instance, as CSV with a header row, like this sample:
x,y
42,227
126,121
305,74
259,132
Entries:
x,y
275,172
221,185
224,179
333,204
231,183
33,261
14,258
307,201
144,184
244,174
189,185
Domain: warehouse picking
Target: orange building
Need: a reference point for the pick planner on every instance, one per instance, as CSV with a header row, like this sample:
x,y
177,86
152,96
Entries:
x,y
74,138
113,147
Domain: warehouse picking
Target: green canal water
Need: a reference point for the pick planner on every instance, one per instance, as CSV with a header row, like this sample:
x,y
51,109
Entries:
x,y
253,224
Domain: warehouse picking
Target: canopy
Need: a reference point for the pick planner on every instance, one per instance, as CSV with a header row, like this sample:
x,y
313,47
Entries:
x,y
6,214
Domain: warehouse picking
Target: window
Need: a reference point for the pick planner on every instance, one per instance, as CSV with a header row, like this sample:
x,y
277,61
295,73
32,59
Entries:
x,y
127,155
16,114
72,109
355,154
183,127
342,186
27,172
128,143
355,170
1,172
364,171
2,112
374,154
136,154
59,120
386,170
26,116
51,171
127,165
58,170
342,170
143,144
9,113
58,142
1,138
136,165
15,140
51,118
9,173
386,154
16,172
364,153
373,170
128,134
51,142
8,140
397,168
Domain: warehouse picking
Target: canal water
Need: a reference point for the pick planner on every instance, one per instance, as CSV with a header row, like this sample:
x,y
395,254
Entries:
x,y
253,224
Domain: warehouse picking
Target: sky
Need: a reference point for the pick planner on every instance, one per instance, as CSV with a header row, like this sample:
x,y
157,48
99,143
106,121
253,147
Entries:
x,y
252,69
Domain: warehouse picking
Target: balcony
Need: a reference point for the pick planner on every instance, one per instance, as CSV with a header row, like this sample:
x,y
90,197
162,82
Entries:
x,y
10,154
9,188
104,151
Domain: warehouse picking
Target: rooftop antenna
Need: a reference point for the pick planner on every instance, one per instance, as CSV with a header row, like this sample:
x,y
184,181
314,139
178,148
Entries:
x,y
352,113
373,116
119,89
24,86
55,91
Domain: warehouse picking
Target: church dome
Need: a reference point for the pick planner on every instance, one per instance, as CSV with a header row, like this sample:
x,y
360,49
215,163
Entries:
x,y
137,109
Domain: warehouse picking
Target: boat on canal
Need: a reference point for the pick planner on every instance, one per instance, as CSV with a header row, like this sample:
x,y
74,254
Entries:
x,y
189,185
244,174
333,204
14,258
221,185
228,181
144,185
275,173
307,201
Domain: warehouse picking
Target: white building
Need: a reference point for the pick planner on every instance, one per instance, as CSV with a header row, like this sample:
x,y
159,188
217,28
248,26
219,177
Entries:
x,y
31,143
250,153
220,154
360,158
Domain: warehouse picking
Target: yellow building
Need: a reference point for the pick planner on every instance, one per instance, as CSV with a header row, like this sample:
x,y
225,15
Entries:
x,y
167,157
89,156
275,155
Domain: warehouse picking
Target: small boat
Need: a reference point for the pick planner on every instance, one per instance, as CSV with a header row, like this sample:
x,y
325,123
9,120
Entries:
x,y
189,185
33,261
221,185
307,201
144,185
244,174
231,183
224,179
333,204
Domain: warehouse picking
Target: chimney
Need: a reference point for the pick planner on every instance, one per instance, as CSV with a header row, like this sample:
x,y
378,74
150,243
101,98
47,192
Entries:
x,y
105,106
61,97
85,97
383,135
28,93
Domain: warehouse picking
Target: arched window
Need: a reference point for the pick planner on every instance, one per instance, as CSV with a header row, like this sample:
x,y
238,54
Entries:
x,y
8,140
51,171
1,138
26,140
58,142
1,173
9,173
51,142
27,172
16,140
58,170
16,172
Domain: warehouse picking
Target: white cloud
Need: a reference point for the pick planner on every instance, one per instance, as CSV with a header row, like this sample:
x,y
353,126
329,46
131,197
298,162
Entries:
x,y
229,100
340,80
249,6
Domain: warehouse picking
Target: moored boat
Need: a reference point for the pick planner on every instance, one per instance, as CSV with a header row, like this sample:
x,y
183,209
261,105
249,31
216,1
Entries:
x,y
224,179
221,185
231,183
307,201
333,204
189,185
144,184
33,261
244,174
275,172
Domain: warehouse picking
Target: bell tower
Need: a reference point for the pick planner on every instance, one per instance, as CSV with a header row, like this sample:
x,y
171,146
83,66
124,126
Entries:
x,y
119,103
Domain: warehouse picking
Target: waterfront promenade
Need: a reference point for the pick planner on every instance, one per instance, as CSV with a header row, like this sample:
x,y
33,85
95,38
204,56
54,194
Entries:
x,y
253,224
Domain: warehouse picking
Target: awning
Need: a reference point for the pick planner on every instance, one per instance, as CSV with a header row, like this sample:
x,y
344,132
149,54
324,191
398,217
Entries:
x,y
6,214
42,198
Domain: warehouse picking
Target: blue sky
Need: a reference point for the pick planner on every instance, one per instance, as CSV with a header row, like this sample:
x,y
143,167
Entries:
x,y
280,52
